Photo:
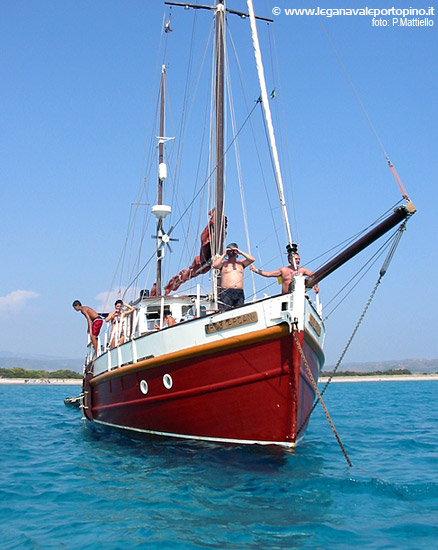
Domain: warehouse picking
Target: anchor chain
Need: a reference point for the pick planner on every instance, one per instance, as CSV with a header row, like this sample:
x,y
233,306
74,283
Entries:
x,y
315,387
383,270
370,299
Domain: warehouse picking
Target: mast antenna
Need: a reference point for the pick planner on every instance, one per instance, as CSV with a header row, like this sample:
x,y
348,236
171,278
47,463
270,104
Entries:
x,y
161,210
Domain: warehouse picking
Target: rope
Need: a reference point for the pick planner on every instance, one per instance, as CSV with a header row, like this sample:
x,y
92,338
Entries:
x,y
239,169
370,299
383,270
280,112
315,387
173,154
346,242
370,263
255,141
139,273
197,194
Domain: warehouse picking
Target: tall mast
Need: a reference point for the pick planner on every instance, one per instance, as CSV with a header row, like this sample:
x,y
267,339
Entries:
x,y
161,178
219,134
219,219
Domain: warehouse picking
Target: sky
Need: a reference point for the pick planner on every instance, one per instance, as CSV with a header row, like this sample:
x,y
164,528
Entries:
x,y
78,93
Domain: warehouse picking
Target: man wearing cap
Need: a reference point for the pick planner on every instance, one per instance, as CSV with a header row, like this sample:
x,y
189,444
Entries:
x,y
231,269
287,273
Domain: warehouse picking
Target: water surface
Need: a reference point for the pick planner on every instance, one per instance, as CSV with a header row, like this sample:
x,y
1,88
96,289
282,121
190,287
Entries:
x,y
68,485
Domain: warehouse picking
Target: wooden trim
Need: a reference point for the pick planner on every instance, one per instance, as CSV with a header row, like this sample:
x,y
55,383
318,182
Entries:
x,y
315,345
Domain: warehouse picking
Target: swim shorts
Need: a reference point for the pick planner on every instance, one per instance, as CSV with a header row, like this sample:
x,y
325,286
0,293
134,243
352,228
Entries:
x,y
231,297
96,326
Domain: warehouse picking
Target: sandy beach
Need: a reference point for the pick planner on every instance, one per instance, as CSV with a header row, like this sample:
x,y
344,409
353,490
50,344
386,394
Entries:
x,y
382,378
322,380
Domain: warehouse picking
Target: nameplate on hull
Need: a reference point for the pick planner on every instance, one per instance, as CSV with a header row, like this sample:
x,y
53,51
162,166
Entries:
x,y
232,322
314,324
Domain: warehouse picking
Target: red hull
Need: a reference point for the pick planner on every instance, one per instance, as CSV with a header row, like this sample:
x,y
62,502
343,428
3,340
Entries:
x,y
257,392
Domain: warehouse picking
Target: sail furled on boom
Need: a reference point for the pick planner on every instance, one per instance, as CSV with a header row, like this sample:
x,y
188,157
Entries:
x,y
201,264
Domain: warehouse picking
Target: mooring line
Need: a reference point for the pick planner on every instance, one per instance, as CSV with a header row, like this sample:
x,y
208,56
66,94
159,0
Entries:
x,y
315,387
383,270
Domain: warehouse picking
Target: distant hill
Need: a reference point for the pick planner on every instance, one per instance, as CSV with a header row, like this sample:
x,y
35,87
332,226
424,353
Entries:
x,y
416,366
30,363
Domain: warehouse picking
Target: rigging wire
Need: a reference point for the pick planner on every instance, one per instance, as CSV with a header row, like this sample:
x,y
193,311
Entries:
x,y
151,149
350,82
370,264
352,238
122,259
238,166
269,126
362,106
255,141
183,128
190,94
283,134
139,273
208,178
147,215
273,171
132,221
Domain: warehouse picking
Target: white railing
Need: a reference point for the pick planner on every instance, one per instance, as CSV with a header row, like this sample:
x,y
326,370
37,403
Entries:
x,y
142,320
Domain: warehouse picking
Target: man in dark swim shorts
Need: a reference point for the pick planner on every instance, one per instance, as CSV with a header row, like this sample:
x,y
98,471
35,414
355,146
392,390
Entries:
x,y
232,294
232,297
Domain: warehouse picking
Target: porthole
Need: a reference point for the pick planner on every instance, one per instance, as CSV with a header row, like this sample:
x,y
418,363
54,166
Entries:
x,y
167,381
144,388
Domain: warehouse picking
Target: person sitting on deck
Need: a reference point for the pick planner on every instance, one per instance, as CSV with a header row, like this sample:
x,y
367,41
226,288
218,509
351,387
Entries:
x,y
232,294
94,320
117,336
287,273
168,320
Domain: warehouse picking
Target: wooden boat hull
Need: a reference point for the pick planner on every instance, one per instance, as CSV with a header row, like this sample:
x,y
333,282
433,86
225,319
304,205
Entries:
x,y
246,392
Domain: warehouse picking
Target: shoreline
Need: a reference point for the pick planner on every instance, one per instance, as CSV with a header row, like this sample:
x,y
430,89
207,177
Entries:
x,y
322,380
40,381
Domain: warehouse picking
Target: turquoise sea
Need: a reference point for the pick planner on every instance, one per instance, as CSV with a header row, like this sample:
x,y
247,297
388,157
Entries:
x,y
66,485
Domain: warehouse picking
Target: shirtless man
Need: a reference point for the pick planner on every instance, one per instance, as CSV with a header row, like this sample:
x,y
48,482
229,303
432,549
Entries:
x,y
94,321
117,335
232,294
286,273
